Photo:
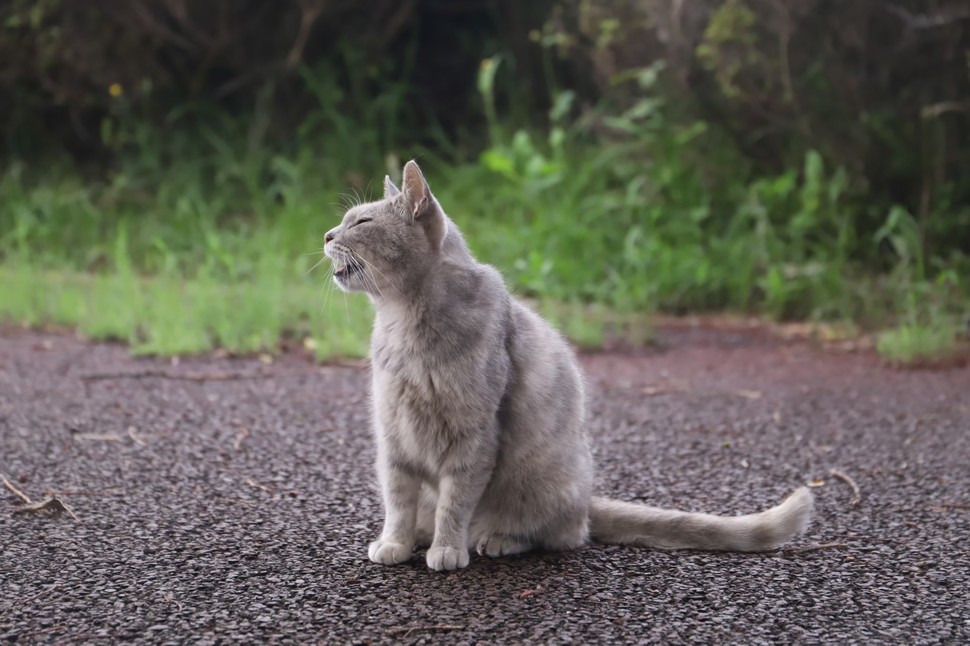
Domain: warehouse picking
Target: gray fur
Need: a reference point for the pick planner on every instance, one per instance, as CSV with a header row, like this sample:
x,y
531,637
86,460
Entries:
x,y
478,407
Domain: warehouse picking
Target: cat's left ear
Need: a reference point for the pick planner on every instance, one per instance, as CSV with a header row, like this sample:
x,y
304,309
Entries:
x,y
417,193
420,204
389,189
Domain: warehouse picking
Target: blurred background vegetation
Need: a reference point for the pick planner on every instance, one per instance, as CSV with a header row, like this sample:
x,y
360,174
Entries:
x,y
169,166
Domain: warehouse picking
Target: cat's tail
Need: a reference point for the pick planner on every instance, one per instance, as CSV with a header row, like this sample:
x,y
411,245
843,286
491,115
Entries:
x,y
612,521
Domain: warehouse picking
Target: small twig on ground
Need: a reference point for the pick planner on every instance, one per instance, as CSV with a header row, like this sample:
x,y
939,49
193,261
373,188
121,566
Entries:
x,y
53,506
98,437
950,505
240,436
20,494
169,598
294,493
748,394
844,477
665,388
42,593
42,632
814,548
256,485
406,631
81,492
239,501
133,434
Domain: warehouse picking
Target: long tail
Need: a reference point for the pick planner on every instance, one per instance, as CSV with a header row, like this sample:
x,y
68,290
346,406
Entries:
x,y
612,521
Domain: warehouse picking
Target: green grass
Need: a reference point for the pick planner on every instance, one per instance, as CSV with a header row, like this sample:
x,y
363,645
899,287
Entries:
x,y
162,315
166,316
918,344
202,238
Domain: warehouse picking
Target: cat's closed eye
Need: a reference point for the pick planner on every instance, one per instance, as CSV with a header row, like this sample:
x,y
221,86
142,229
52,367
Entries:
x,y
361,221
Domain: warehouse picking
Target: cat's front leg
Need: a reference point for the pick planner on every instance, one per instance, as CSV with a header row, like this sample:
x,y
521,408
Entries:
x,y
396,543
458,495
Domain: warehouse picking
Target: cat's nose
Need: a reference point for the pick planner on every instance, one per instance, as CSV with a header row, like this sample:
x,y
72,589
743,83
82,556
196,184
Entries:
x,y
327,237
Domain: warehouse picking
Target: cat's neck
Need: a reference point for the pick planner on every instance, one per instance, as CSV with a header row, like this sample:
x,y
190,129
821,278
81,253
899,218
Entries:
x,y
428,294
432,290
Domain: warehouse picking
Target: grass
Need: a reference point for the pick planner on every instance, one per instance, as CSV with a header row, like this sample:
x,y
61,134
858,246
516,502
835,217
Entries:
x,y
205,236
919,344
166,316
163,315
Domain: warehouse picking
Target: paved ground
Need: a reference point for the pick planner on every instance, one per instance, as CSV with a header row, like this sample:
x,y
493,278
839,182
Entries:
x,y
233,510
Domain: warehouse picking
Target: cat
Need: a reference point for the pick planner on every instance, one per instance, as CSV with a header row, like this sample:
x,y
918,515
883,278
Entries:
x,y
478,407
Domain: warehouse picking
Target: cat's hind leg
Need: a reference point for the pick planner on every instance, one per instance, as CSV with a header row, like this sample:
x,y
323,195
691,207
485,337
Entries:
x,y
568,534
497,544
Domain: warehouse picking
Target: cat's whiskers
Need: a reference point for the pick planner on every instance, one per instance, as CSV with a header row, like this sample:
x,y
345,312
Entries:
x,y
365,276
315,265
369,265
331,271
329,287
346,308
346,202
343,253
373,282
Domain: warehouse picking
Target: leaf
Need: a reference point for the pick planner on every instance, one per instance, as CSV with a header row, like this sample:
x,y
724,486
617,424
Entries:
x,y
528,593
99,437
748,394
52,506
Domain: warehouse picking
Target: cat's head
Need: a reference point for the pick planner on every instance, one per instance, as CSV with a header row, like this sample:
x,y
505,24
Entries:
x,y
386,248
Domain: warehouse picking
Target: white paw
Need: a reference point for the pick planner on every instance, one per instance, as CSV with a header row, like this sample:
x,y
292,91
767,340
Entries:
x,y
388,553
501,545
447,558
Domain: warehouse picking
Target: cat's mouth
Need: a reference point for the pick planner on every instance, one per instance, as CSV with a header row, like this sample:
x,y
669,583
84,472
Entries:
x,y
343,271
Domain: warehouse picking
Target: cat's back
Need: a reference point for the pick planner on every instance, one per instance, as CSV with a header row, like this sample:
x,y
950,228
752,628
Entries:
x,y
541,356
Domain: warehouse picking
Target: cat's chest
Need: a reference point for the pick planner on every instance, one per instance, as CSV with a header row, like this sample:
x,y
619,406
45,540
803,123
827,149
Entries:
x,y
412,374
420,382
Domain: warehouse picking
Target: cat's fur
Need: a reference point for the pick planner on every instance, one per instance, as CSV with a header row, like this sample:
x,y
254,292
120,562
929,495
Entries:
x,y
478,407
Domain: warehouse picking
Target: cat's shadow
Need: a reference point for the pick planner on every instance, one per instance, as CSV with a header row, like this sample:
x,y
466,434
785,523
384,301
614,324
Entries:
x,y
490,565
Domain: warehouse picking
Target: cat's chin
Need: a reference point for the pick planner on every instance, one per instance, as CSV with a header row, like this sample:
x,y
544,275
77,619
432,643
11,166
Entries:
x,y
346,278
343,283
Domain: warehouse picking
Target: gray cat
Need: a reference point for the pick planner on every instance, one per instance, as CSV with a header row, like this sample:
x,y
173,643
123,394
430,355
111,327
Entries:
x,y
478,407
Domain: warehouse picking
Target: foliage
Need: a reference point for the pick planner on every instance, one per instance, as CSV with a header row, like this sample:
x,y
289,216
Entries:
x,y
913,343
166,314
754,155
67,68
879,90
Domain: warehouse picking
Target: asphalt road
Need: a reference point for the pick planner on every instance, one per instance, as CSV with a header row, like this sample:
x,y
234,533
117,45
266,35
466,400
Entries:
x,y
235,503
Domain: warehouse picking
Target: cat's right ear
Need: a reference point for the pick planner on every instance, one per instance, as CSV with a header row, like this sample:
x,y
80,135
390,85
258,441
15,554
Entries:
x,y
389,189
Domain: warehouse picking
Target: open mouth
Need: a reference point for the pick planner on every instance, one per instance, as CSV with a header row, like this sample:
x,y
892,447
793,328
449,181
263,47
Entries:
x,y
346,270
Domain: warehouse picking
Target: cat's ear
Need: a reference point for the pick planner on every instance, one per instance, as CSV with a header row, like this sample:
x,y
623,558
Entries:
x,y
389,189
420,203
417,194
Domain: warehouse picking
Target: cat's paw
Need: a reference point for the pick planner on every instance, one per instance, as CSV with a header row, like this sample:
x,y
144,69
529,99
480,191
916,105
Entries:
x,y
388,553
447,558
501,545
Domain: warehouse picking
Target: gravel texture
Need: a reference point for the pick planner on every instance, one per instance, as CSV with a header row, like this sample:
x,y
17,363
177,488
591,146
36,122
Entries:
x,y
237,507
